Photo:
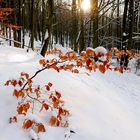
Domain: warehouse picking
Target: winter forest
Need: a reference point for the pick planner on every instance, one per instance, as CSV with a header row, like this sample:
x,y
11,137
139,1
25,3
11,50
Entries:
x,y
69,69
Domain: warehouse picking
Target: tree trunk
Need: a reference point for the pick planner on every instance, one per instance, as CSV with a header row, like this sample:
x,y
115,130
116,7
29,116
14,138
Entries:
x,y
95,22
19,22
131,21
74,25
82,40
32,24
124,36
50,22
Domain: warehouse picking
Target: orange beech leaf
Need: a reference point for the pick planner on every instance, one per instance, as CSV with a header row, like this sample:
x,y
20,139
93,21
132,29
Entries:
x,y
23,108
16,93
26,107
40,128
63,58
26,75
102,68
94,65
71,55
89,68
121,69
79,63
54,66
21,93
54,99
54,50
58,123
108,55
27,124
65,113
56,104
59,52
83,53
53,121
46,106
88,62
29,89
84,59
60,111
105,63
61,67
68,67
47,87
42,61
75,71
20,83
54,60
30,82
100,54
7,83
48,52
14,83
59,117
37,89
50,84
116,69
90,52
22,79
50,97
20,109
13,119
108,66
58,94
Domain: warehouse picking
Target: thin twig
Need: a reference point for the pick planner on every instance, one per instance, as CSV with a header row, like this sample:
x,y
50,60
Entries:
x,y
37,72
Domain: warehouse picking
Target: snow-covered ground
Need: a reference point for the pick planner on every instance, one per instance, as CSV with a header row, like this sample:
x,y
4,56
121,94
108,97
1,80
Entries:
x,y
103,106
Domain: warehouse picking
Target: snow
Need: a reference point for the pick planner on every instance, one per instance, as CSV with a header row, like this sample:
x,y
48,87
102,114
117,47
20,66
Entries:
x,y
124,34
7,56
33,135
100,49
97,50
33,117
102,106
63,49
89,48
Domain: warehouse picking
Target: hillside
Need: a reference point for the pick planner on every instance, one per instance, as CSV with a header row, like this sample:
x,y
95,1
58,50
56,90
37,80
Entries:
x,y
102,106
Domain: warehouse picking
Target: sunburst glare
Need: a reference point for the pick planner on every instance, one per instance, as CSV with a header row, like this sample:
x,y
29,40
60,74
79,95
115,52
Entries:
x,y
85,5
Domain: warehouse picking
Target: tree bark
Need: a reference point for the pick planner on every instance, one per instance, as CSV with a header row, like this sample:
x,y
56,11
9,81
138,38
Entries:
x,y
124,36
95,22
32,24
50,22
131,21
82,39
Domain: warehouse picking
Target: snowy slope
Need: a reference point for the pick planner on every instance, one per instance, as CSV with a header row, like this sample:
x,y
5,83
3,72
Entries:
x,y
103,107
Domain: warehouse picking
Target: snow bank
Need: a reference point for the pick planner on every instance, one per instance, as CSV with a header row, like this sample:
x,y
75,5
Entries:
x,y
100,49
63,49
